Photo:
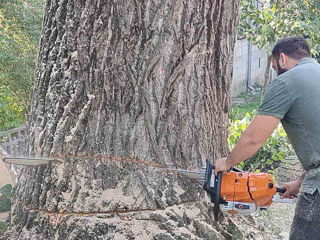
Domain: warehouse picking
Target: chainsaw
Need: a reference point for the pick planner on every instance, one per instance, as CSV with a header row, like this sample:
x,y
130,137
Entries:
x,y
236,192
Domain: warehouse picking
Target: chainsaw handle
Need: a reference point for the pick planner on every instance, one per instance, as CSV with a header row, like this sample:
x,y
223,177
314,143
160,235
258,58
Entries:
x,y
280,190
283,190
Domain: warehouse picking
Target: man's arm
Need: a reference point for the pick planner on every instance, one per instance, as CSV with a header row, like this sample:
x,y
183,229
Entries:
x,y
259,130
250,141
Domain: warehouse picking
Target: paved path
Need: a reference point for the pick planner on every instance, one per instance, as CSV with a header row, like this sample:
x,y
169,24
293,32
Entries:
x,y
4,216
277,221
273,224
6,176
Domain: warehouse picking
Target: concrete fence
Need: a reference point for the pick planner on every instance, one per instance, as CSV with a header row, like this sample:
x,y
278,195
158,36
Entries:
x,y
249,65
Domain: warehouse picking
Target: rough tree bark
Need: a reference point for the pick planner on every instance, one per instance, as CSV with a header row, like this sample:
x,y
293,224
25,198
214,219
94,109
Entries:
x,y
124,89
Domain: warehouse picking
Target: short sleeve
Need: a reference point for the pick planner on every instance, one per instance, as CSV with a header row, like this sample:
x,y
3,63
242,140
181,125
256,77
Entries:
x,y
277,100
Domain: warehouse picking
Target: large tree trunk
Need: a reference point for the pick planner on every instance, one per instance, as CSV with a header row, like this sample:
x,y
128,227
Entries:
x,y
124,89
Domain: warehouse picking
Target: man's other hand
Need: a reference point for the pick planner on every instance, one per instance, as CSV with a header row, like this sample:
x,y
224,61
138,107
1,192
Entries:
x,y
292,189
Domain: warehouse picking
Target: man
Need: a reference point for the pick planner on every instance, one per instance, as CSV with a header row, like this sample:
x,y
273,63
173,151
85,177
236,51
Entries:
x,y
293,98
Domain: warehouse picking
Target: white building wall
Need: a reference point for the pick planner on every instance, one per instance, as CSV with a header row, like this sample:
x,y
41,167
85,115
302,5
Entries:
x,y
240,67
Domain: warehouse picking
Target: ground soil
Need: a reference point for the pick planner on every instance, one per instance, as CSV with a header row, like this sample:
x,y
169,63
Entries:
x,y
6,176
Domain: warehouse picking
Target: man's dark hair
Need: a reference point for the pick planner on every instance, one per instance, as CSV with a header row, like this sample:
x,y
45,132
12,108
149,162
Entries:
x,y
294,47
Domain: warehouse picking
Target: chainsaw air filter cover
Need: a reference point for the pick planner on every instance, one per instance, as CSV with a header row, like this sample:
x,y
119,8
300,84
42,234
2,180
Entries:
x,y
248,187
246,192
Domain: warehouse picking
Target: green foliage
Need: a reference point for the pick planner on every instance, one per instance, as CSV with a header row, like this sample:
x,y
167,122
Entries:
x,y
252,102
3,226
7,193
276,19
5,205
275,149
7,190
11,112
20,27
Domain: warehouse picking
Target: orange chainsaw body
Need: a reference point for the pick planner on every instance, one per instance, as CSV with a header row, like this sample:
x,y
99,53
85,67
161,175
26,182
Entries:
x,y
258,188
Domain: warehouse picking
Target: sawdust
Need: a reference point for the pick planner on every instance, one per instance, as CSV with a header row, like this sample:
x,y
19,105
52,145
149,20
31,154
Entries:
x,y
116,195
66,196
178,189
192,213
119,236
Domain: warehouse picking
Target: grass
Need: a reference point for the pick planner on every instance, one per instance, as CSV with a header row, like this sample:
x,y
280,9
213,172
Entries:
x,y
251,102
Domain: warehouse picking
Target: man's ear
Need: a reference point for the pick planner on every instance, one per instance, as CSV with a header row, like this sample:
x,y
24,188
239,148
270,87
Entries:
x,y
283,59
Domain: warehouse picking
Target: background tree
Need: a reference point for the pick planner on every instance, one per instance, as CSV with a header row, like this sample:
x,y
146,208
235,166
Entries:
x,y
264,22
125,89
20,26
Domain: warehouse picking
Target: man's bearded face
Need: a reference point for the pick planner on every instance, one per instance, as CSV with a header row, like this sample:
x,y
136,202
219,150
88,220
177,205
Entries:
x,y
280,69
276,66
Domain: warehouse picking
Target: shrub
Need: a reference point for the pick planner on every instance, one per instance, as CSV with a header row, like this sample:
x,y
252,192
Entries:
x,y
275,149
5,204
3,226
7,193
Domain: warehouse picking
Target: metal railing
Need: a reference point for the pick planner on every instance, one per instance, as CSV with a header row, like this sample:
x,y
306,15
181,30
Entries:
x,y
13,140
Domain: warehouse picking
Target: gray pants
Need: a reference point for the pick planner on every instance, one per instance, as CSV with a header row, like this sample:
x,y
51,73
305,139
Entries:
x,y
306,222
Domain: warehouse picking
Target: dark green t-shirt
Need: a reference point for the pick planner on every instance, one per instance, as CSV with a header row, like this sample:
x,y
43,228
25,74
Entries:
x,y
294,97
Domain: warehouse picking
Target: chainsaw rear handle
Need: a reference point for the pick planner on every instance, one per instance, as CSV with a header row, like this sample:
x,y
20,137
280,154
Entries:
x,y
283,190
280,190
